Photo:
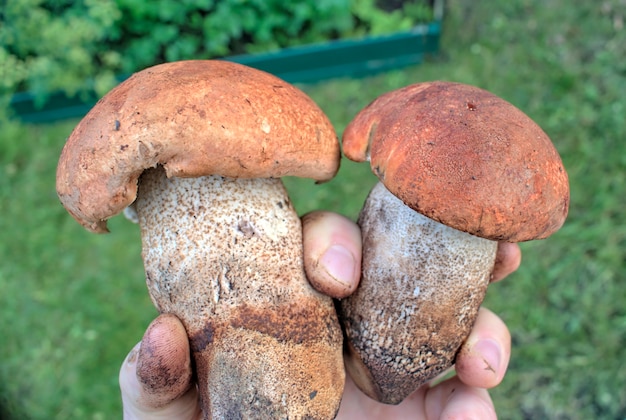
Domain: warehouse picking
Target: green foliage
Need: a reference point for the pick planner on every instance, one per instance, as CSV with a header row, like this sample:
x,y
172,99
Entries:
x,y
50,45
170,30
373,22
45,46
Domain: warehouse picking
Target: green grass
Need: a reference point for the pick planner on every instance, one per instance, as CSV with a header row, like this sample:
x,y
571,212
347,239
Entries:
x,y
73,303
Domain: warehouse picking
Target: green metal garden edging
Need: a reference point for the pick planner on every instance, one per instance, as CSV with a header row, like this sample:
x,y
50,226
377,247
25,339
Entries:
x,y
306,64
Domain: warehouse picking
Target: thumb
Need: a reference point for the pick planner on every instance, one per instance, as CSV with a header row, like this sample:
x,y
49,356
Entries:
x,y
332,253
156,377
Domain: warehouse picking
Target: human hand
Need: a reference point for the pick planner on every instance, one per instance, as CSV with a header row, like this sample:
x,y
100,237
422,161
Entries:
x,y
156,378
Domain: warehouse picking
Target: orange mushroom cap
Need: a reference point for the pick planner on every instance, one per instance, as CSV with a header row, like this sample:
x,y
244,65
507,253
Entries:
x,y
463,157
195,118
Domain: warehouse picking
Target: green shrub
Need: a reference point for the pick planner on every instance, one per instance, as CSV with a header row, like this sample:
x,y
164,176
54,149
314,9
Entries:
x,y
52,45
56,45
170,30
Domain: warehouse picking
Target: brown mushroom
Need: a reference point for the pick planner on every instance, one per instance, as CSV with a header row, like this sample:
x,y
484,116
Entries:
x,y
460,169
197,147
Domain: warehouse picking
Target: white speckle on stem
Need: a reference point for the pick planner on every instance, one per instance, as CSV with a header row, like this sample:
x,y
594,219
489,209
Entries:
x,y
131,214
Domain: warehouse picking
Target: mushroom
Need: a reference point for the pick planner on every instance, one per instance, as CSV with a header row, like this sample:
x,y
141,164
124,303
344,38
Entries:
x,y
460,169
197,148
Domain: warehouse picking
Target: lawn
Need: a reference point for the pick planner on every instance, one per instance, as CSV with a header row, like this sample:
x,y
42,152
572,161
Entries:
x,y
72,303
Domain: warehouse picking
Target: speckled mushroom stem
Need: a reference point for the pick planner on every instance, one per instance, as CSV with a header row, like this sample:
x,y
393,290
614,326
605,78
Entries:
x,y
421,287
225,256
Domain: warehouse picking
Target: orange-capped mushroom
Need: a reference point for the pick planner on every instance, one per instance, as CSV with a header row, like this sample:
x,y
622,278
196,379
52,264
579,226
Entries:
x,y
459,170
197,149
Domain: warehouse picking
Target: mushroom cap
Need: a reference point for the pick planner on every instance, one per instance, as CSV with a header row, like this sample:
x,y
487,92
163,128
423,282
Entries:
x,y
195,118
463,157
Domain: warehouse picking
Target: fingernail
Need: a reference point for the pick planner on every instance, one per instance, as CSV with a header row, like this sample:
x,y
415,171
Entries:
x,y
339,264
490,352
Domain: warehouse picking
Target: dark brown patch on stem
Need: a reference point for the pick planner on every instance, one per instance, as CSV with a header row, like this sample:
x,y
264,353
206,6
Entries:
x,y
202,339
286,323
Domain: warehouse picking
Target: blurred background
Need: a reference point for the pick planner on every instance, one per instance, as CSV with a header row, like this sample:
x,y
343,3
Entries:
x,y
72,304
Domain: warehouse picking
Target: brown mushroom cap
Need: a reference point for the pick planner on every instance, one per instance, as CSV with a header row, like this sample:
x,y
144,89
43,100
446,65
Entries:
x,y
463,157
195,118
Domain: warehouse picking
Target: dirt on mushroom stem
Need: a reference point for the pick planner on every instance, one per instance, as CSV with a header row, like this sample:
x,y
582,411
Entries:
x,y
225,256
421,287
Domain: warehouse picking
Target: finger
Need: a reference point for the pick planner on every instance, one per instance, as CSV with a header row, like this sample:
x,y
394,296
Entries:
x,y
332,253
156,377
508,259
452,399
164,361
484,357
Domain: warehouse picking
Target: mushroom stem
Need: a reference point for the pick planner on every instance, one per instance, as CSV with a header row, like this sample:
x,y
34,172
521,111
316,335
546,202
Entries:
x,y
225,256
421,287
